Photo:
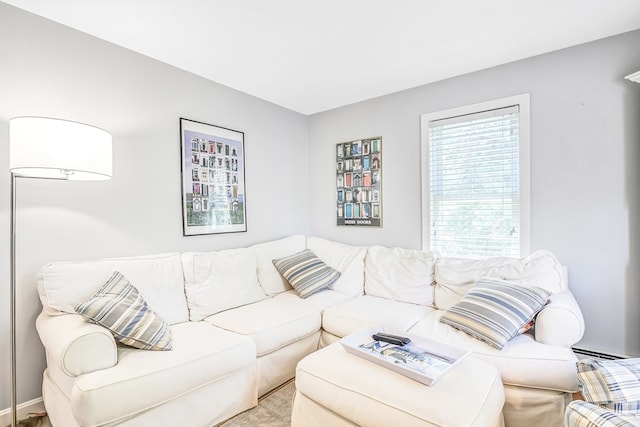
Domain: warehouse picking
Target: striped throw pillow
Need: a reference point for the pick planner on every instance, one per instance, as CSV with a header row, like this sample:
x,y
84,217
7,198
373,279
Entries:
x,y
494,311
119,307
611,384
306,272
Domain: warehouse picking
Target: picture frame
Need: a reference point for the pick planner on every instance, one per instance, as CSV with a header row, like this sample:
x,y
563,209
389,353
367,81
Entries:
x,y
213,179
359,183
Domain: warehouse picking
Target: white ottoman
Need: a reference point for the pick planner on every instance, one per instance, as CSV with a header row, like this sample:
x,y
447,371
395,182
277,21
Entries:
x,y
336,388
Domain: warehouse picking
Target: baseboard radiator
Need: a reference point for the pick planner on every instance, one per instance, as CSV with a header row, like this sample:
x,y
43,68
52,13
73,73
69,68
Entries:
x,y
599,355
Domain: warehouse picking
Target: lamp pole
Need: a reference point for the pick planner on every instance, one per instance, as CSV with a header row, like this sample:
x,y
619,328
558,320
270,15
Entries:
x,y
12,297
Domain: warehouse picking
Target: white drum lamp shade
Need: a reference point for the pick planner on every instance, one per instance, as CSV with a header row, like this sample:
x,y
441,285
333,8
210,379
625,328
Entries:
x,y
42,147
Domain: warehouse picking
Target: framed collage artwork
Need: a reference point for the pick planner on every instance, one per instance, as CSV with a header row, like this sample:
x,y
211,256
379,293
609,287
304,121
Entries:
x,y
213,180
359,182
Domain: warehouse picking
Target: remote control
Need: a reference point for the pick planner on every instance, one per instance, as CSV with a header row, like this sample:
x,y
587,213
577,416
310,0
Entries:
x,y
391,339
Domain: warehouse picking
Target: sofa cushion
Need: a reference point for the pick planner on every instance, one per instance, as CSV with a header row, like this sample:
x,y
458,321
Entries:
x,y
272,323
611,384
399,274
368,311
347,259
306,273
494,311
320,300
455,276
142,380
522,362
271,281
119,307
220,280
63,285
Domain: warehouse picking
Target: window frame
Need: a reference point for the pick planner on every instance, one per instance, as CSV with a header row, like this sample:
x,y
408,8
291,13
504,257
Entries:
x,y
524,122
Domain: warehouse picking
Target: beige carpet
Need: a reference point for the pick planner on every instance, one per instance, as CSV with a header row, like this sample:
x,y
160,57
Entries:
x,y
34,420
273,410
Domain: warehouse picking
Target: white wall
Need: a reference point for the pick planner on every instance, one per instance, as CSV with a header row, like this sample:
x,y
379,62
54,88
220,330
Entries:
x,y
51,70
585,179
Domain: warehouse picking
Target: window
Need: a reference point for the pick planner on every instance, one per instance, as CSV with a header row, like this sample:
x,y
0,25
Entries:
x,y
475,175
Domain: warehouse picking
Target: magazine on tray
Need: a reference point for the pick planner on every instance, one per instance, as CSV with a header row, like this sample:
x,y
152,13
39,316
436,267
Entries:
x,y
422,359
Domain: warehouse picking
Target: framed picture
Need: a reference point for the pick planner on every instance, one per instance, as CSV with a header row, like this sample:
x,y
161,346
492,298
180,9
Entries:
x,y
213,179
359,183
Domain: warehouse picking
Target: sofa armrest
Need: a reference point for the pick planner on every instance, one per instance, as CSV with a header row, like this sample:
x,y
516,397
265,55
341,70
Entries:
x,y
75,345
560,322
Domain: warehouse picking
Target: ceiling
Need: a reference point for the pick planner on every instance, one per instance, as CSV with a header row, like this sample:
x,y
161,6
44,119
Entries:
x,y
315,55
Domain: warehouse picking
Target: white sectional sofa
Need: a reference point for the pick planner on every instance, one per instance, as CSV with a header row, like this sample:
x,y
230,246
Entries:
x,y
238,329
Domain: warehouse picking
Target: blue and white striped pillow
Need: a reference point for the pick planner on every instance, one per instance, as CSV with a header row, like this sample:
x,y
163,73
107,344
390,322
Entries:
x,y
119,307
306,272
494,311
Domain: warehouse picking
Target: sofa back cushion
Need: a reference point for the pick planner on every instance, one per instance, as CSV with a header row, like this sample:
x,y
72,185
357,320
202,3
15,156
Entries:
x,y
220,280
399,274
158,278
271,281
347,259
454,277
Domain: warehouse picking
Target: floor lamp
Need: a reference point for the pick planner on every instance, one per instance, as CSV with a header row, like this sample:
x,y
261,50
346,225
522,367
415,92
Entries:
x,y
48,148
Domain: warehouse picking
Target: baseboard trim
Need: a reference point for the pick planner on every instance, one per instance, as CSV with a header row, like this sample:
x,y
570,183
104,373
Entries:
x,y
599,355
34,406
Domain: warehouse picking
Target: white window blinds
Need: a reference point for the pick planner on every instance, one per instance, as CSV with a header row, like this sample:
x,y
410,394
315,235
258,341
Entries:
x,y
474,184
